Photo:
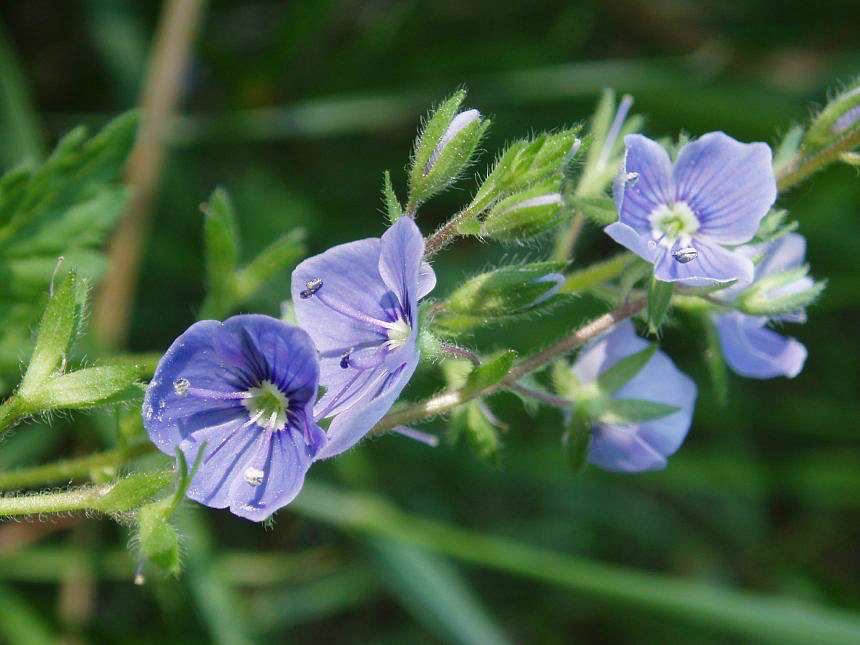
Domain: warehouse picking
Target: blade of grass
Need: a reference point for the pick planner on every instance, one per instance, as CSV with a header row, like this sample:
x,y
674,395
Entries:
x,y
740,612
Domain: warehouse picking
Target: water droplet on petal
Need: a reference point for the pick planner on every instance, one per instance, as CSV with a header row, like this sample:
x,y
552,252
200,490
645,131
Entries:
x,y
652,244
685,254
311,287
254,476
147,411
181,385
631,178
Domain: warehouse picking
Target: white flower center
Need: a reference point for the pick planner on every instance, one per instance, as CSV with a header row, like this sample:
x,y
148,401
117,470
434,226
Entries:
x,y
267,406
669,224
398,333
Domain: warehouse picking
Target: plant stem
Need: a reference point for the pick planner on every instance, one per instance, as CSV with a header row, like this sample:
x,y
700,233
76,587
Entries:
x,y
805,165
460,352
447,401
116,497
67,469
549,399
447,232
11,411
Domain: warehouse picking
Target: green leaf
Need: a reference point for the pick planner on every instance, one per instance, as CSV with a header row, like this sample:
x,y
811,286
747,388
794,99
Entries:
x,y
157,539
600,210
22,623
627,411
86,388
393,209
624,370
659,299
714,361
54,336
280,255
469,421
436,594
22,138
222,246
577,440
822,129
491,371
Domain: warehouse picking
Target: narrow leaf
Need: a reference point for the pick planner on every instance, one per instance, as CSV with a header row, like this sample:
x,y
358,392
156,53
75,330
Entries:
x,y
659,299
624,370
626,411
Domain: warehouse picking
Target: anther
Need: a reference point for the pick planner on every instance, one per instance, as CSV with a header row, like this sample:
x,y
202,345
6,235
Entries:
x,y
311,287
344,361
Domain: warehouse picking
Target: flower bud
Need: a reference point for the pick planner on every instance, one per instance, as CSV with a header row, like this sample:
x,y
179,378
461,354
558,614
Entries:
x,y
158,540
508,290
523,216
444,148
840,115
458,124
780,293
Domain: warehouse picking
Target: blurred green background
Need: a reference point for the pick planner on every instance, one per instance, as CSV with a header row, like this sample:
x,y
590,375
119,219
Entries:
x,y
297,108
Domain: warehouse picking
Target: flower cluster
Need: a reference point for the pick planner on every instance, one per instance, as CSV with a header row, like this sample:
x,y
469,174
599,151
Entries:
x,y
245,391
260,400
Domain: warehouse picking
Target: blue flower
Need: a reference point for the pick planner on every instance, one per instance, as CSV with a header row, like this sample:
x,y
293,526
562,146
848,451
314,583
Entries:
x,y
681,218
359,303
645,445
245,388
749,347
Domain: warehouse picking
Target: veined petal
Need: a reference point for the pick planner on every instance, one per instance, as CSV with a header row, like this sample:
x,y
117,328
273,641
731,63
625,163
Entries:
x,y
753,350
351,425
283,462
646,445
713,264
730,186
350,277
634,240
645,183
426,280
401,250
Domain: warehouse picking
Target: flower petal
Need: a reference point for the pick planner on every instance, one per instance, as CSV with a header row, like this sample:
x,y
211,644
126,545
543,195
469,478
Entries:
x,y
401,250
426,280
168,416
646,445
783,254
645,183
729,185
631,238
713,264
753,350
380,392
350,276
283,461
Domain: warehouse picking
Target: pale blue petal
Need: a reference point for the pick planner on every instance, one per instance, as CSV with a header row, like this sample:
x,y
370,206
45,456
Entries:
x,y
753,350
646,182
713,264
730,186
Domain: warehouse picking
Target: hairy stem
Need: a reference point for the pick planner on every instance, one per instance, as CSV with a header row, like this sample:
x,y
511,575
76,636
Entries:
x,y
117,497
805,165
447,232
447,401
460,352
549,399
66,469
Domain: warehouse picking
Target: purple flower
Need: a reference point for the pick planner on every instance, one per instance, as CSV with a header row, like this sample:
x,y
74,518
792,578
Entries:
x,y
245,388
749,347
359,303
644,445
681,218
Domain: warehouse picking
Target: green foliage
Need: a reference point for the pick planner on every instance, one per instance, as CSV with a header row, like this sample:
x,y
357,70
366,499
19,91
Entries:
x,y
629,411
576,440
85,388
393,209
777,293
470,422
599,210
64,207
492,371
659,299
230,285
55,335
617,376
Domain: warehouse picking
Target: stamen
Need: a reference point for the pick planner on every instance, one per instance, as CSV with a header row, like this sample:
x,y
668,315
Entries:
x,y
214,394
379,326
354,397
